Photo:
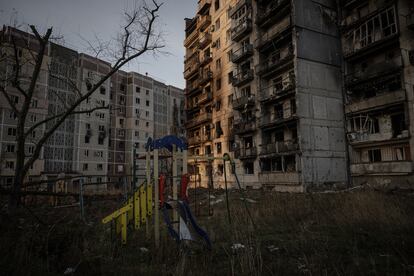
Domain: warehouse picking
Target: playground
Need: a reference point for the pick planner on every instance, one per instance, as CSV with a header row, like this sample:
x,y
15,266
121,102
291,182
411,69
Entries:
x,y
166,225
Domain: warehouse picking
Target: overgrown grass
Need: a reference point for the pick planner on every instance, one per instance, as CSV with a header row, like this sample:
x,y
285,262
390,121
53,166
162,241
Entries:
x,y
355,233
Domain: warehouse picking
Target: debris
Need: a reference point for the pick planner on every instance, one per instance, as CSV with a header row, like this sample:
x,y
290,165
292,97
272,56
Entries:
x,y
272,248
237,246
143,249
69,270
216,201
248,200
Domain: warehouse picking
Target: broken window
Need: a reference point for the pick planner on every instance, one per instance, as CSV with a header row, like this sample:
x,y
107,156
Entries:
x,y
398,124
248,168
374,155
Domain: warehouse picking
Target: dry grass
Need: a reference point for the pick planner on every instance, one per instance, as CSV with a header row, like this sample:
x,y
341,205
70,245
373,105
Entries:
x,y
358,233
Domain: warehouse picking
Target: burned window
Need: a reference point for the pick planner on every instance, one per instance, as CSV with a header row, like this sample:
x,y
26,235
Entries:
x,y
374,155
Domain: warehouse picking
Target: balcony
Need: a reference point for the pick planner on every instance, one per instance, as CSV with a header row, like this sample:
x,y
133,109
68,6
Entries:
x,y
205,97
381,100
203,6
382,168
274,37
204,22
190,38
241,28
240,4
282,147
359,42
200,119
242,53
245,153
191,67
279,178
272,12
206,59
274,120
278,90
379,73
204,40
273,64
242,78
206,77
199,139
242,127
192,87
244,102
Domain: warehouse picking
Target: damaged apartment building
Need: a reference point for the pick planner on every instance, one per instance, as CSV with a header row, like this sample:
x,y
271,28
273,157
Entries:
x,y
303,94
378,53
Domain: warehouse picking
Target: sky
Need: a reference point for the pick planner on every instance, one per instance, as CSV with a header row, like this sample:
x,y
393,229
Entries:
x,y
77,20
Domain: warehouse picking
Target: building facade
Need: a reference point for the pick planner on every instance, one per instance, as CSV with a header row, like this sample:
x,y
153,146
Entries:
x,y
270,82
100,144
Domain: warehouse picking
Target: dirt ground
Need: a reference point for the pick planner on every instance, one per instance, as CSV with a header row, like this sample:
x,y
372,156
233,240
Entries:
x,y
362,232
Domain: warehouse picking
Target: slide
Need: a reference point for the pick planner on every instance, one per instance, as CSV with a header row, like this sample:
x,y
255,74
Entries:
x,y
196,227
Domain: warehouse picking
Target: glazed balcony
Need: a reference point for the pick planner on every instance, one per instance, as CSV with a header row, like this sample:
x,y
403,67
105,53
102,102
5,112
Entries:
x,y
244,102
206,77
242,127
198,120
272,12
241,28
204,22
242,53
278,91
204,6
245,153
271,64
204,40
274,120
242,78
281,147
274,37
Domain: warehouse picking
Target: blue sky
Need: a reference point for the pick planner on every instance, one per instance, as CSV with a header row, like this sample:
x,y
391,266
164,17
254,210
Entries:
x,y
84,18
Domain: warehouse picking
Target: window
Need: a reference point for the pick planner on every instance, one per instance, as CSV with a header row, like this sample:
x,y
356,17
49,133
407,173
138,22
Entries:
x,y
34,103
218,84
230,76
85,167
99,167
230,100
102,90
86,152
11,131
147,92
10,165
374,155
137,101
87,139
14,99
122,87
137,122
217,24
218,147
147,103
136,133
229,55
248,168
146,113
10,148
138,89
217,4
147,124
218,44
218,64
12,115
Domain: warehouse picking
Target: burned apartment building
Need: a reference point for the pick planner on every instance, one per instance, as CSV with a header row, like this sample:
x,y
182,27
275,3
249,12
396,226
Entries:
x,y
282,117
378,53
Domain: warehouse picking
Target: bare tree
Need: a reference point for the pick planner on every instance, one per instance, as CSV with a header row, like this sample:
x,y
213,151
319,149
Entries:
x,y
137,36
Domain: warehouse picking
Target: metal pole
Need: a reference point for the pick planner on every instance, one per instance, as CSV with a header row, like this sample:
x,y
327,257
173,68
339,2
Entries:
x,y
227,192
82,213
175,188
156,201
148,180
134,171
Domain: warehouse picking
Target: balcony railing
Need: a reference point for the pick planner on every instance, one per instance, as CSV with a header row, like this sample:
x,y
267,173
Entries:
x,y
275,119
243,102
201,118
245,153
241,28
241,127
205,39
204,22
190,38
205,77
242,78
203,6
279,147
205,97
192,86
206,59
276,91
242,53
273,11
274,36
272,64
199,139
191,67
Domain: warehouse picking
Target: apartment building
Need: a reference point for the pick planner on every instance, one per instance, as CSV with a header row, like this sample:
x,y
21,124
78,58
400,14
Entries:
x,y
378,51
38,109
91,142
282,116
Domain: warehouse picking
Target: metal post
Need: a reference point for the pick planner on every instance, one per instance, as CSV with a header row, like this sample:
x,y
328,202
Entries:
x,y
134,171
227,192
148,180
82,213
156,201
175,189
